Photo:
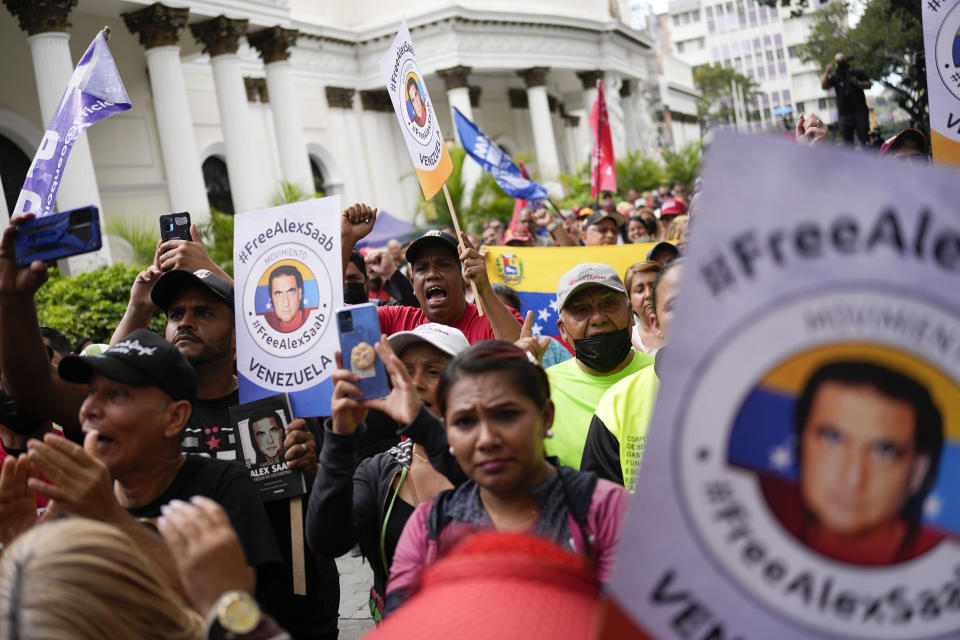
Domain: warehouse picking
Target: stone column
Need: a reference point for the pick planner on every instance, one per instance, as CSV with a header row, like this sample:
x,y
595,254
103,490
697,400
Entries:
x,y
220,37
548,160
377,106
158,27
475,103
458,95
631,138
520,109
612,82
339,109
46,24
274,45
587,136
262,135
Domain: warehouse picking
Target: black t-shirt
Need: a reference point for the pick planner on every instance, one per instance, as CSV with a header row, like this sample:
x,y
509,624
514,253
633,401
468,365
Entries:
x,y
209,434
850,98
230,487
209,431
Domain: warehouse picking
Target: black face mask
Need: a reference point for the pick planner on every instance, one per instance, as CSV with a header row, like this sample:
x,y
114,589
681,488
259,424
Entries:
x,y
14,417
604,352
355,293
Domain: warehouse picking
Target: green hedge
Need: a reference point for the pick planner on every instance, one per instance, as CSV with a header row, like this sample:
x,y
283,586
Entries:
x,y
89,304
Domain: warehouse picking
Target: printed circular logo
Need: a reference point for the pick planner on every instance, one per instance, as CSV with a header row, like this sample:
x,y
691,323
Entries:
x,y
510,268
286,300
948,51
419,121
819,461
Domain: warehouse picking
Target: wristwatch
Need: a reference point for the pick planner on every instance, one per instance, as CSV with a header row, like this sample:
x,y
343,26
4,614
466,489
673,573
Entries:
x,y
237,613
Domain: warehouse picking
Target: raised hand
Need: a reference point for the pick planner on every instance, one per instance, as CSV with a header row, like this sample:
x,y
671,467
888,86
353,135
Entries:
x,y
536,347
188,255
206,551
402,403
301,449
357,222
16,280
474,266
83,485
18,502
346,409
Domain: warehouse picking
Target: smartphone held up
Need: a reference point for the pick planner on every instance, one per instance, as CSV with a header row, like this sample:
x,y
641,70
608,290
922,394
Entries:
x,y
58,235
359,329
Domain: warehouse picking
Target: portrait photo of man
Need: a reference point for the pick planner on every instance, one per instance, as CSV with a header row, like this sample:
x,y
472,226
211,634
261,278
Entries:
x,y
287,311
266,436
868,443
416,109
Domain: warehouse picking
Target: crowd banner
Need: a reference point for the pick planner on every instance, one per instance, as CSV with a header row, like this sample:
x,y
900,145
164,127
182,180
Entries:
x,y
534,272
415,112
94,92
603,168
801,473
288,270
494,161
941,41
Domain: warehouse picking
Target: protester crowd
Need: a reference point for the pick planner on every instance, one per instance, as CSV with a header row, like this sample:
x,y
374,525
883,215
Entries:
x,y
122,514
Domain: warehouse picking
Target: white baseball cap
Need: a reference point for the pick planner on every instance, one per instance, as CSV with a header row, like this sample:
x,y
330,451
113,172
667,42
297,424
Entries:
x,y
449,340
588,274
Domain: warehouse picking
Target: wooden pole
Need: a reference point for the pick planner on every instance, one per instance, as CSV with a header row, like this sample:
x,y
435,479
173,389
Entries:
x,y
456,225
296,539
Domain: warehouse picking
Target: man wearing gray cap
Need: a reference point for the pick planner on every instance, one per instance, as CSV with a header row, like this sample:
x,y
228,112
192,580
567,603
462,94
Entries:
x,y
595,318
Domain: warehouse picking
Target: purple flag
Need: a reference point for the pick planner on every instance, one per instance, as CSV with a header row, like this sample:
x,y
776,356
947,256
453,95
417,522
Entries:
x,y
94,92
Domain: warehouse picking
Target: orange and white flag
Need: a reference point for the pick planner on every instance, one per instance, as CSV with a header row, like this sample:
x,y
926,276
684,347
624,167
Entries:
x,y
415,112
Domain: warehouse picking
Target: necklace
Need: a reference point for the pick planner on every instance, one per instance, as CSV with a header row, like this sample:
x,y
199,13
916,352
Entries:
x,y
419,457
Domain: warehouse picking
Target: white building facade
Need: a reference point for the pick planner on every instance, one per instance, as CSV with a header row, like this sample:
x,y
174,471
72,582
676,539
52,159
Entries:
x,y
759,42
232,96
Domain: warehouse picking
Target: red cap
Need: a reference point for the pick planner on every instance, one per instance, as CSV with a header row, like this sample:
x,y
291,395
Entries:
x,y
672,207
501,585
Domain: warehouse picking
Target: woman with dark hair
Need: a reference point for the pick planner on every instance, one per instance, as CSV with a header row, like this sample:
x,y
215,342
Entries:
x,y
497,411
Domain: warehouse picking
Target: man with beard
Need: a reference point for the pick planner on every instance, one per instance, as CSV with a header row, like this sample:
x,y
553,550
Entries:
x,y
439,271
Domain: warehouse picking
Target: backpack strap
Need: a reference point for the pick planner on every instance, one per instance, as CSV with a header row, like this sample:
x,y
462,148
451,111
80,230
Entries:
x,y
578,488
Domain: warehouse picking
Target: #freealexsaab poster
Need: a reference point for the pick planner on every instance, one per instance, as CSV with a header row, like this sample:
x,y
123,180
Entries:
x,y
801,473
288,271
415,113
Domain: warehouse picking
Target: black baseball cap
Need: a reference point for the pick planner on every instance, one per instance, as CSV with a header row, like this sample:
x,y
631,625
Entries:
x,y
176,281
432,238
662,247
142,359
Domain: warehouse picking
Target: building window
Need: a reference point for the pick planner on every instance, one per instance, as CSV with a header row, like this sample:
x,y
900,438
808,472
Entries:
x,y
761,73
695,15
822,104
771,71
801,107
319,182
685,17
780,55
766,42
218,184
726,51
793,51
769,56
777,39
711,27
775,97
756,44
766,113
786,95
782,68
680,47
753,17
746,46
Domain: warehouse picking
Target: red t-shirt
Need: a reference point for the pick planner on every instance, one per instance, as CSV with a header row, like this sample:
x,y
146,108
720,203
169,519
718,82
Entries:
x,y
474,327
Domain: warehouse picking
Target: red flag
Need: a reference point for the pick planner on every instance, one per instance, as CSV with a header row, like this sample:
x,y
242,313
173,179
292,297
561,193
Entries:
x,y
603,171
518,203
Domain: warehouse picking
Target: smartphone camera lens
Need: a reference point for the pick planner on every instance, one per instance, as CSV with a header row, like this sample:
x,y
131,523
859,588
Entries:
x,y
345,321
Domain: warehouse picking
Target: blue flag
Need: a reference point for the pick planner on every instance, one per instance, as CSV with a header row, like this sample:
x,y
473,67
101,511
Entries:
x,y
496,162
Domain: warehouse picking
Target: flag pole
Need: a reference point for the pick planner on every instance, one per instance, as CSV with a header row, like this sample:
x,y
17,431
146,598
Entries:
x,y
595,173
456,225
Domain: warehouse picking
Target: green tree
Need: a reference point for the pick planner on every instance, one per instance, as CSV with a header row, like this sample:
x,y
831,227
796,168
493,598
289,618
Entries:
x,y
640,172
715,105
886,44
89,303
140,235
218,237
682,165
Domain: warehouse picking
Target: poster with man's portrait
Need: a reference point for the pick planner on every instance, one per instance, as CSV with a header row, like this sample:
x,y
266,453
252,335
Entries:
x,y
261,428
801,473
